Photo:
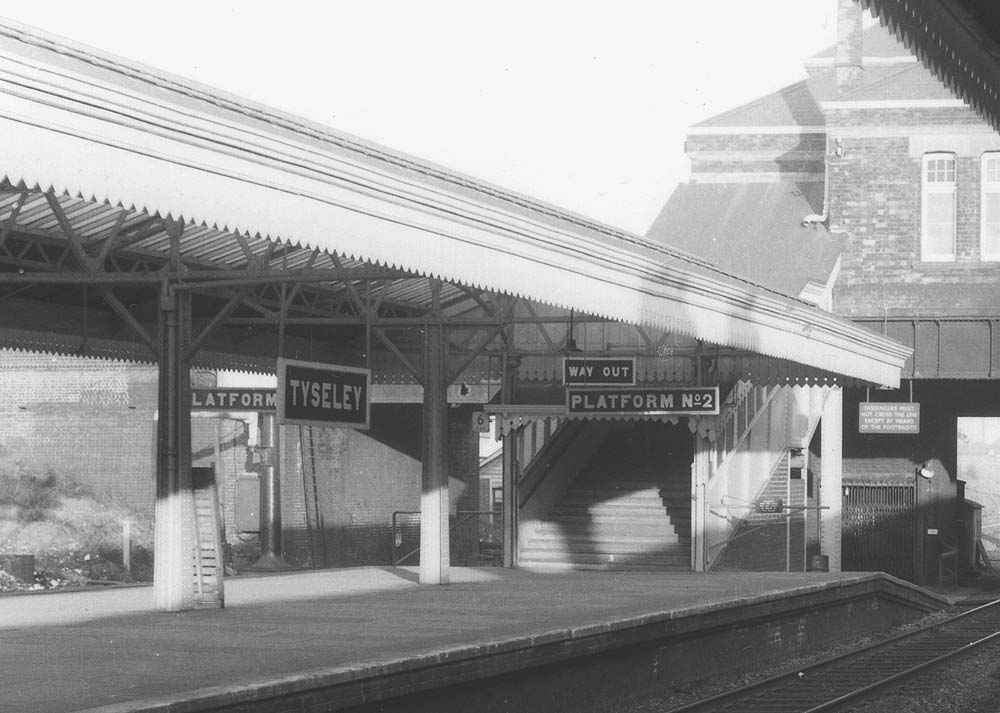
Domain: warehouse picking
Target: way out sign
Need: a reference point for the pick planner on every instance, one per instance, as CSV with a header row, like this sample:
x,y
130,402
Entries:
x,y
598,371
316,394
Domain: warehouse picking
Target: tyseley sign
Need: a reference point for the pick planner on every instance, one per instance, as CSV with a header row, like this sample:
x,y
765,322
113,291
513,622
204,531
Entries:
x,y
232,399
316,394
598,371
676,401
888,417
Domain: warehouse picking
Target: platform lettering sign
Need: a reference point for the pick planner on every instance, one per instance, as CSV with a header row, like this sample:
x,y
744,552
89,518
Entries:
x,y
232,399
598,371
676,401
317,394
888,417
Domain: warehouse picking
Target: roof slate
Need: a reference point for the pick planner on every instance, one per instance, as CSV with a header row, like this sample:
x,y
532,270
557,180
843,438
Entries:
x,y
752,229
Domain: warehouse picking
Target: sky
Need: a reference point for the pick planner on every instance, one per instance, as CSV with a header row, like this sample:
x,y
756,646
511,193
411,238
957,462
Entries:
x,y
581,104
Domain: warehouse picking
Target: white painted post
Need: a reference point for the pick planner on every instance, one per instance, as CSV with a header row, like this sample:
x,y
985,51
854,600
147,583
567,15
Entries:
x,y
127,545
832,477
435,508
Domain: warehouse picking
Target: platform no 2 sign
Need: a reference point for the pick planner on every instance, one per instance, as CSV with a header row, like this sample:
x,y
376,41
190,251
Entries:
x,y
317,394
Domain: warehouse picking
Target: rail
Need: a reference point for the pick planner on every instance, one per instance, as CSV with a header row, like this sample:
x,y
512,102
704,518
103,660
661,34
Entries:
x,y
463,516
842,680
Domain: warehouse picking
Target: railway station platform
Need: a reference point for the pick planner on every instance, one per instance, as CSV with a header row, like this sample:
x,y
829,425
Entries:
x,y
372,639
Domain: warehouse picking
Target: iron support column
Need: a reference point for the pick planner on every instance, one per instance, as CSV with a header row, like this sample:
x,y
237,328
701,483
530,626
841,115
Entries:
x,y
174,536
832,474
435,507
510,457
271,558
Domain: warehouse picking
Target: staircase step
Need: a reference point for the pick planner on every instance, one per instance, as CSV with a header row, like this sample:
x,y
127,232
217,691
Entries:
x,y
599,520
632,488
682,559
628,510
646,546
582,520
613,497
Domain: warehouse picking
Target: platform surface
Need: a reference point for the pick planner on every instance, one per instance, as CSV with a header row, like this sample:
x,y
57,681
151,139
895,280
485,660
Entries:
x,y
107,649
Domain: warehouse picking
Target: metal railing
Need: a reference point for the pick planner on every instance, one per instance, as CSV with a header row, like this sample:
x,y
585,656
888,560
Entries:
x,y
947,563
489,536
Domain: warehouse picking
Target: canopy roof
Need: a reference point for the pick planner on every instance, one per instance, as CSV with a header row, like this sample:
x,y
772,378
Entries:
x,y
742,226
113,142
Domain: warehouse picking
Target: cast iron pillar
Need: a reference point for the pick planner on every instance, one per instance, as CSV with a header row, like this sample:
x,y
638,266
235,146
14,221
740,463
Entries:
x,y
832,475
173,588
435,507
271,558
510,459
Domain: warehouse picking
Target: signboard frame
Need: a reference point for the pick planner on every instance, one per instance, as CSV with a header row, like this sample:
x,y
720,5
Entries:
x,y
285,420
898,426
569,380
618,393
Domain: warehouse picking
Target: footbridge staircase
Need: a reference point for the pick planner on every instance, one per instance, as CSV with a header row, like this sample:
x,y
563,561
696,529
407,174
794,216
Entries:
x,y
650,496
620,501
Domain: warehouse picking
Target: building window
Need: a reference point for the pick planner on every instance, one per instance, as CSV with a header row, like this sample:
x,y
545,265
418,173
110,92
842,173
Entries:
x,y
989,219
937,224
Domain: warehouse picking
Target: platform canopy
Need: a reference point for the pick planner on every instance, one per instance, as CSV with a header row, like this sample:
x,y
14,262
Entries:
x,y
149,174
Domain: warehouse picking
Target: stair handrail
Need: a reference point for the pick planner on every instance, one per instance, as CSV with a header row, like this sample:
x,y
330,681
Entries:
x,y
534,471
755,403
731,414
780,451
468,515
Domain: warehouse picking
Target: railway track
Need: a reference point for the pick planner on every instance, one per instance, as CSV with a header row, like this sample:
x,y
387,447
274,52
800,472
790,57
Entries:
x,y
837,683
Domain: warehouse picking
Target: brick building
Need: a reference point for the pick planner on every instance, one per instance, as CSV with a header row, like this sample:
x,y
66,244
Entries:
x,y
868,189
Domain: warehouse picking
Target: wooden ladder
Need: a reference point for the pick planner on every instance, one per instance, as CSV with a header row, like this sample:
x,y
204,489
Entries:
x,y
208,564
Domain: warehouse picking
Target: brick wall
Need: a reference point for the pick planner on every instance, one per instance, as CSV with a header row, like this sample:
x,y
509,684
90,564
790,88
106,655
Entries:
x,y
875,199
763,153
89,420
338,512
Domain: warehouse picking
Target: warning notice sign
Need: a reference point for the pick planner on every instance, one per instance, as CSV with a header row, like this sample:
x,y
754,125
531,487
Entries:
x,y
888,418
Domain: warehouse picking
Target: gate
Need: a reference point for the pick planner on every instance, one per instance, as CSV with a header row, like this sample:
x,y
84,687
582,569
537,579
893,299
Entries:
x,y
879,527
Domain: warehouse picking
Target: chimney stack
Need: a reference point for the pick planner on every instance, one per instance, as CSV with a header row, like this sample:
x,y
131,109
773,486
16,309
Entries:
x,y
847,62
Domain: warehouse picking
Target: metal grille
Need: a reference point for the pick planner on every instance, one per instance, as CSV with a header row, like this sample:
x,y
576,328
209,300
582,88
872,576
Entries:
x,y
879,527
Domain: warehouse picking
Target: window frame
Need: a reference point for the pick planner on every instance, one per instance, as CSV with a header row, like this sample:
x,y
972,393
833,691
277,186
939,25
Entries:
x,y
987,188
928,188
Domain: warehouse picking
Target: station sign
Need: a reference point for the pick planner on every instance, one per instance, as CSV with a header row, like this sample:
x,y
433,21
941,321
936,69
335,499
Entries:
x,y
317,394
676,401
888,417
598,371
232,399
